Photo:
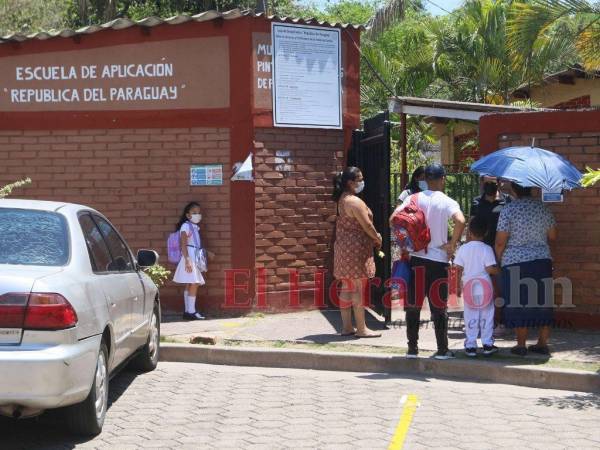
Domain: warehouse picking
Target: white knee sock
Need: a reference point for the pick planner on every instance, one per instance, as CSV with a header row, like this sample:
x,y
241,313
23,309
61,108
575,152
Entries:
x,y
186,303
191,301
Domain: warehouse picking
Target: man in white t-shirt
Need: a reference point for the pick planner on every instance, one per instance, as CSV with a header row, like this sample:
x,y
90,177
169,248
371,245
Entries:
x,y
430,266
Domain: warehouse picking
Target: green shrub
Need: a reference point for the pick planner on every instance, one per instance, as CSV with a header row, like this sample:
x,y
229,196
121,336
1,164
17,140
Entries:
x,y
6,190
590,178
159,274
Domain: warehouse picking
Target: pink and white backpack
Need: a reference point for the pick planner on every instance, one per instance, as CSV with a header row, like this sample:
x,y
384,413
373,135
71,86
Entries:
x,y
173,248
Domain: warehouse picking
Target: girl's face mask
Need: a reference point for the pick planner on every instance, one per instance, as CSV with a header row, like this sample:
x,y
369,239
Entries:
x,y
196,218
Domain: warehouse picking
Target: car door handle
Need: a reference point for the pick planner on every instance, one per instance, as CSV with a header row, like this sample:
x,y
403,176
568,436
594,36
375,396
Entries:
x,y
136,298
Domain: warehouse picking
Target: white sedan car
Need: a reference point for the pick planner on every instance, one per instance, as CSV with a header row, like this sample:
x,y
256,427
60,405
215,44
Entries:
x,y
75,306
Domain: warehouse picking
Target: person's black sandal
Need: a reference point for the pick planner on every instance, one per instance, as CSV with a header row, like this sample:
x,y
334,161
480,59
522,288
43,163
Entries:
x,y
539,349
519,351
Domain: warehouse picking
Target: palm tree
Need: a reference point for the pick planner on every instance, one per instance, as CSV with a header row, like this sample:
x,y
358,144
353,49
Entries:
x,y
533,21
386,16
398,63
474,59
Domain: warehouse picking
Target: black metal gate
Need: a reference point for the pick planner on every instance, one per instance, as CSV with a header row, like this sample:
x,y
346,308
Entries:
x,y
371,153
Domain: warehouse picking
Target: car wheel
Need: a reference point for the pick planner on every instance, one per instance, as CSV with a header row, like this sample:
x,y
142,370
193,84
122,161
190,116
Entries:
x,y
147,359
87,417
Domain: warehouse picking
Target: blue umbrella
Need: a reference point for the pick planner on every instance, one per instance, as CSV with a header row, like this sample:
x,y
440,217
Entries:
x,y
530,167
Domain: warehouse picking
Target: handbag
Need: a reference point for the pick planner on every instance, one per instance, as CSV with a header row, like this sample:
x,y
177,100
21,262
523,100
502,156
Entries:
x,y
201,260
401,272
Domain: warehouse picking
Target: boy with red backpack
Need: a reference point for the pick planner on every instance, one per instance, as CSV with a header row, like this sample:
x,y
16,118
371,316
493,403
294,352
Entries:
x,y
424,217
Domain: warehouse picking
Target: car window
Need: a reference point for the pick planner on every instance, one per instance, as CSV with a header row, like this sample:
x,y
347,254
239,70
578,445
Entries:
x,y
33,238
122,261
97,249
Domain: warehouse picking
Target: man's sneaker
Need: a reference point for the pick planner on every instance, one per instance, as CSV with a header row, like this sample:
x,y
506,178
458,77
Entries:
x,y
471,351
413,352
490,350
444,355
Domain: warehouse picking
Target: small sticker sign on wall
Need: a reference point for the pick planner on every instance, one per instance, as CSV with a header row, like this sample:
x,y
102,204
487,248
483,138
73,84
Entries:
x,y
206,175
552,197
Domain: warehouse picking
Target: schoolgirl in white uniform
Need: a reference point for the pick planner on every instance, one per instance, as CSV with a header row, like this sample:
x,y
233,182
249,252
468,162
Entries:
x,y
193,259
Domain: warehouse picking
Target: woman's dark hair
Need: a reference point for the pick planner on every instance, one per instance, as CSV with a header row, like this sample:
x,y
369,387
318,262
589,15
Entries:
x,y
183,219
520,191
340,181
413,184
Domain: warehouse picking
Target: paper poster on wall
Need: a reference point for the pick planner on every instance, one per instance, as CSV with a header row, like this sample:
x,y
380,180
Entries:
x,y
306,71
207,175
243,171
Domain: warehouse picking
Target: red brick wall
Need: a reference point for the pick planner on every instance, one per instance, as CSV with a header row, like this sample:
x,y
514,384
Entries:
x,y
577,253
138,178
294,210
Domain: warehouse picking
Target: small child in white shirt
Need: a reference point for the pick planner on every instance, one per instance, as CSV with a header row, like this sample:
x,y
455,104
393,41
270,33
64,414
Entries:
x,y
475,262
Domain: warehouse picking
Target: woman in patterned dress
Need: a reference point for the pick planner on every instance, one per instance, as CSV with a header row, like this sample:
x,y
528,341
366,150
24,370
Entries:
x,y
524,228
355,239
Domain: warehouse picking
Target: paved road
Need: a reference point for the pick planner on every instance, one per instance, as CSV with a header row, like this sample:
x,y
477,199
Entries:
x,y
194,406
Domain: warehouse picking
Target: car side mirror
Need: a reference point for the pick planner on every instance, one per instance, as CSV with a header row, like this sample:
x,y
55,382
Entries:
x,y
147,258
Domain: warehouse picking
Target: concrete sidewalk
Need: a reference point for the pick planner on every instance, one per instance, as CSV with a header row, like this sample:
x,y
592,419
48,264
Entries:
x,y
322,327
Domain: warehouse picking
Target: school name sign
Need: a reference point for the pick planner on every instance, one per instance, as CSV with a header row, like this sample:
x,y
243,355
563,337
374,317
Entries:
x,y
160,75
94,94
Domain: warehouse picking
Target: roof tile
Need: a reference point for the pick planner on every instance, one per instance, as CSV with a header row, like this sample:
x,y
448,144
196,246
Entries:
x,y
152,21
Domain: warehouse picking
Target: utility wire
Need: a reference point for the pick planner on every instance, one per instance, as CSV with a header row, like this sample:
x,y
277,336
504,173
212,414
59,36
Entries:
x,y
370,65
440,7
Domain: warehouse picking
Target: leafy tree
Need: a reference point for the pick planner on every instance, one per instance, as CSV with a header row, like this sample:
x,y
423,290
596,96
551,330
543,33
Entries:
x,y
389,14
357,12
84,12
27,16
533,21
474,61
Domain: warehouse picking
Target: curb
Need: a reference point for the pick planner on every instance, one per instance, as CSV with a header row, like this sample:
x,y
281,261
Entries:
x,y
484,371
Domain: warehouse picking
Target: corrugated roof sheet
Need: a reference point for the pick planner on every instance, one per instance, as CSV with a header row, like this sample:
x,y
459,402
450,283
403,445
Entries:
x,y
121,23
455,105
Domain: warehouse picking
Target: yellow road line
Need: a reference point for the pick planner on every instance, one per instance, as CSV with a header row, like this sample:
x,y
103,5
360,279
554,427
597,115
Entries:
x,y
410,406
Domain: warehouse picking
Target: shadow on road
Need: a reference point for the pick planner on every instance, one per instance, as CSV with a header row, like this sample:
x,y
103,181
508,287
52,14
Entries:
x,y
327,338
576,401
48,431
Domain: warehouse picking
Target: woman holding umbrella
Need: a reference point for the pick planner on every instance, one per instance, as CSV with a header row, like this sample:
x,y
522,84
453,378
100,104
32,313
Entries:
x,y
524,229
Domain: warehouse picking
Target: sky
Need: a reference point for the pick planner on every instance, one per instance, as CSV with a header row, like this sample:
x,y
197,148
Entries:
x,y
446,4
